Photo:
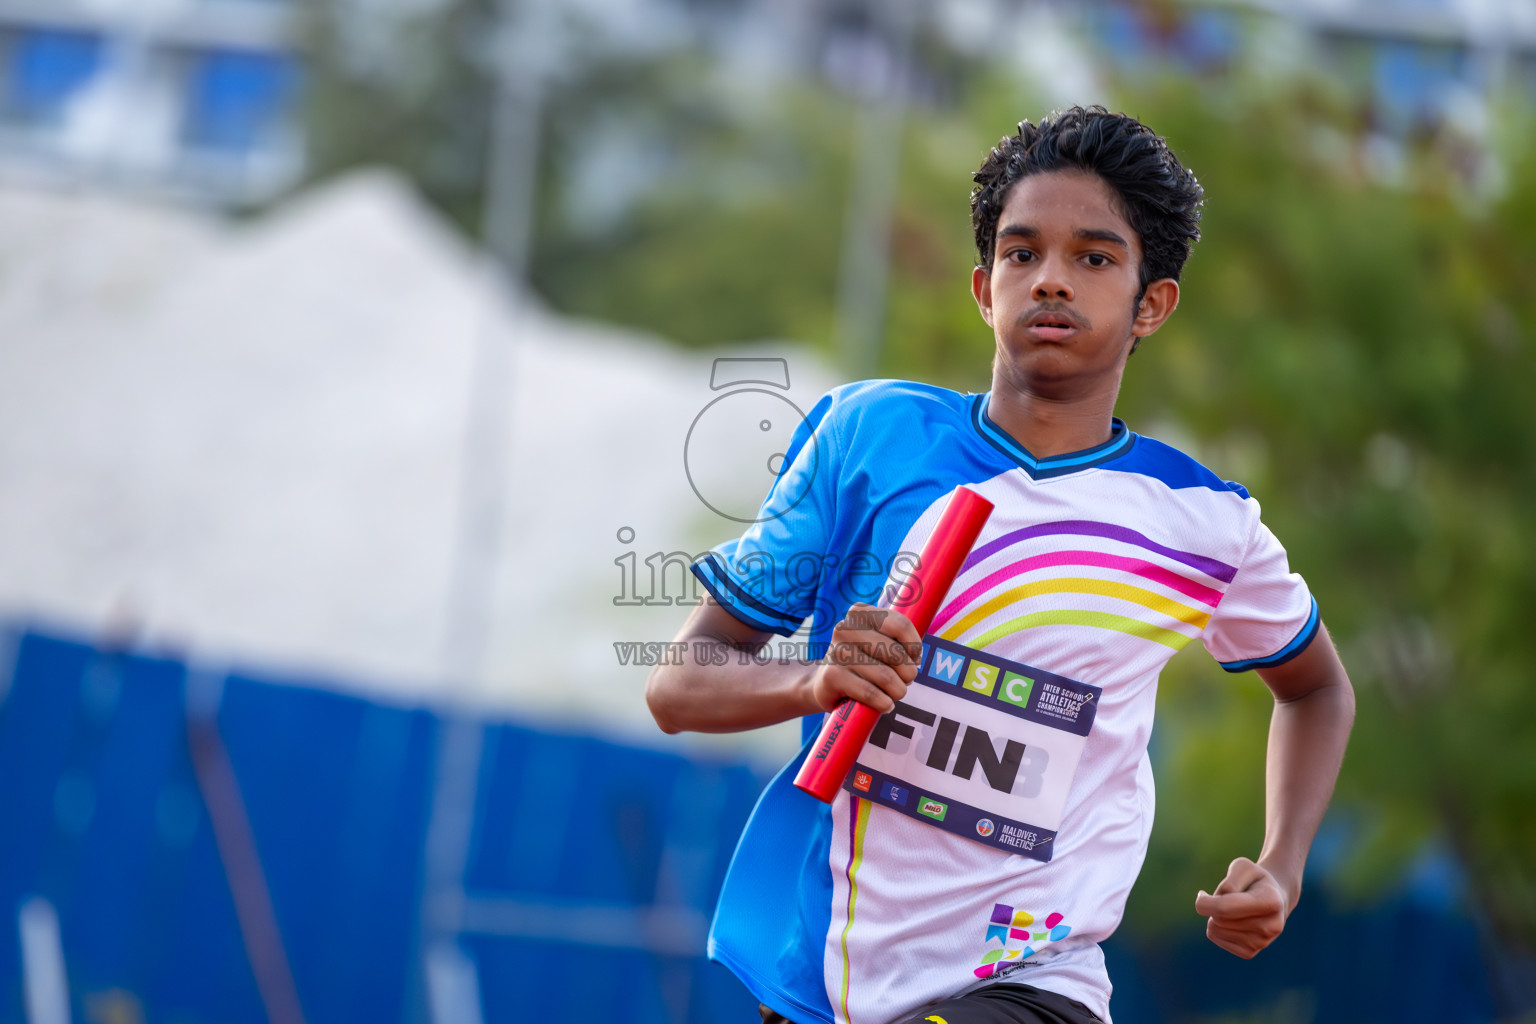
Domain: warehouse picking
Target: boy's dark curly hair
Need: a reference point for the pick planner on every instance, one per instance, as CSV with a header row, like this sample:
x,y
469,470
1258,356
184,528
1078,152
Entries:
x,y
1161,198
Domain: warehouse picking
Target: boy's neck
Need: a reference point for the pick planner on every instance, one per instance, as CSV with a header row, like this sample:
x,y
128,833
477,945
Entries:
x,y
1047,427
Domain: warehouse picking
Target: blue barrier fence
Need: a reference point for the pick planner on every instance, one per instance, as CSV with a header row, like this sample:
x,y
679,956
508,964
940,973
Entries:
x,y
591,871
594,865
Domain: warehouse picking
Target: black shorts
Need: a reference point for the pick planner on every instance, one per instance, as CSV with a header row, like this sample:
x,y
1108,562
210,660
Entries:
x,y
1002,1003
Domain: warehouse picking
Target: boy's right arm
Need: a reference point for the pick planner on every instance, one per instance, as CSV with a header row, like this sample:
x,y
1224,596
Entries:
x,y
872,658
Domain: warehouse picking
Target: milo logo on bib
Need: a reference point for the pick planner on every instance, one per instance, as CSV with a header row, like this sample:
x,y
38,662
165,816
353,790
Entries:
x,y
987,746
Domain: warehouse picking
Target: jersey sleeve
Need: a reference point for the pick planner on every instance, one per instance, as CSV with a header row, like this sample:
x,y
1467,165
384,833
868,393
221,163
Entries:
x,y
769,576
1267,616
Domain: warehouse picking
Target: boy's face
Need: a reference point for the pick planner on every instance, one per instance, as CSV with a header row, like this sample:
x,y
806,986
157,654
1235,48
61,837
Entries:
x,y
1061,295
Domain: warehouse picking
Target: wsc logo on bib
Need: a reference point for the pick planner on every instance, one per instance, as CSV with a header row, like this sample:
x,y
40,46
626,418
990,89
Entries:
x,y
985,827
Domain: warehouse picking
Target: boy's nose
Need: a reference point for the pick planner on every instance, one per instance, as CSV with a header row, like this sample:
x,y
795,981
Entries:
x,y
1050,284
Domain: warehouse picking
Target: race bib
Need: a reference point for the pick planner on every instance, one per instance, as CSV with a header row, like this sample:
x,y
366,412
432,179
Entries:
x,y
980,746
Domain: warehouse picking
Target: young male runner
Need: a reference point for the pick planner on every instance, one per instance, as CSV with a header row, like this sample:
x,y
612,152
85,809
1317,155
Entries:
x,y
989,837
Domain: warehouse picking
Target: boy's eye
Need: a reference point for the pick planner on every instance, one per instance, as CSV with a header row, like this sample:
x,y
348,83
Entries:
x,y
1098,259
1021,255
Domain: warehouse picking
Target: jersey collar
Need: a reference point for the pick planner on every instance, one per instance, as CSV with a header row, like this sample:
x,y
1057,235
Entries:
x,y
1120,440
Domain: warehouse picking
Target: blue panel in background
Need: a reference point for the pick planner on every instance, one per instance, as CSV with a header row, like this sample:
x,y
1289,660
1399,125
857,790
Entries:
x,y
608,860
192,955
337,792
1209,37
132,728
47,68
1414,82
102,817
37,726
567,817
235,98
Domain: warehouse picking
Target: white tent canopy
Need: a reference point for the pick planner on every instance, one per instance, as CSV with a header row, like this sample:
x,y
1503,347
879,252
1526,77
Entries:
x,y
245,444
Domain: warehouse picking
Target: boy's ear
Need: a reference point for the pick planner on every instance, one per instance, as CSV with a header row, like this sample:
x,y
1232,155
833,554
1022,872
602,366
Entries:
x,y
981,291
1157,305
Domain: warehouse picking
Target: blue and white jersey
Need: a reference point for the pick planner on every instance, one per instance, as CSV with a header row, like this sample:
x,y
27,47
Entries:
x,y
1093,570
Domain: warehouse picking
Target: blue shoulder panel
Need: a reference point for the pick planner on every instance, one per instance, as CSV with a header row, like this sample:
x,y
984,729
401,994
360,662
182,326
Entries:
x,y
1163,462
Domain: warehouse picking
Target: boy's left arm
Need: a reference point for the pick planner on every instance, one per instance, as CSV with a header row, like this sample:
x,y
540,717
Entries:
x,y
1314,709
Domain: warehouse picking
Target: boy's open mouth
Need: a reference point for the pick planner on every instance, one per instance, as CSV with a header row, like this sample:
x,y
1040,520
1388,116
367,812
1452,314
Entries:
x,y
1049,325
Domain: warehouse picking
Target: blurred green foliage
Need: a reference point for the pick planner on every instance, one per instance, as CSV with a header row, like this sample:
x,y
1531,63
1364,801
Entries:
x,y
734,247
1361,355
402,87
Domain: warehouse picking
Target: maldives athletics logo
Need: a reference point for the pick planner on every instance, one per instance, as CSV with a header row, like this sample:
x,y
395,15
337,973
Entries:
x,y
985,827
1018,936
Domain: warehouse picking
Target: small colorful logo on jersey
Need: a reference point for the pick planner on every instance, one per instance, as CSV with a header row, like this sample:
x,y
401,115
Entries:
x,y
1018,938
945,665
1015,689
894,793
1030,692
861,781
933,809
985,827
981,678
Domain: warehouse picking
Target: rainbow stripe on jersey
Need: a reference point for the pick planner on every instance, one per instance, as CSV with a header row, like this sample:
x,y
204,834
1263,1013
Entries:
x,y
996,600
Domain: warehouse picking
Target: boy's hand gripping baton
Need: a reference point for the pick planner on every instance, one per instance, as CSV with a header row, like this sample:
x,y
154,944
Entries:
x,y
849,725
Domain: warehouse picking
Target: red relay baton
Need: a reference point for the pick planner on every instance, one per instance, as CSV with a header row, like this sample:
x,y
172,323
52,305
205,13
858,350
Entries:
x,y
848,727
